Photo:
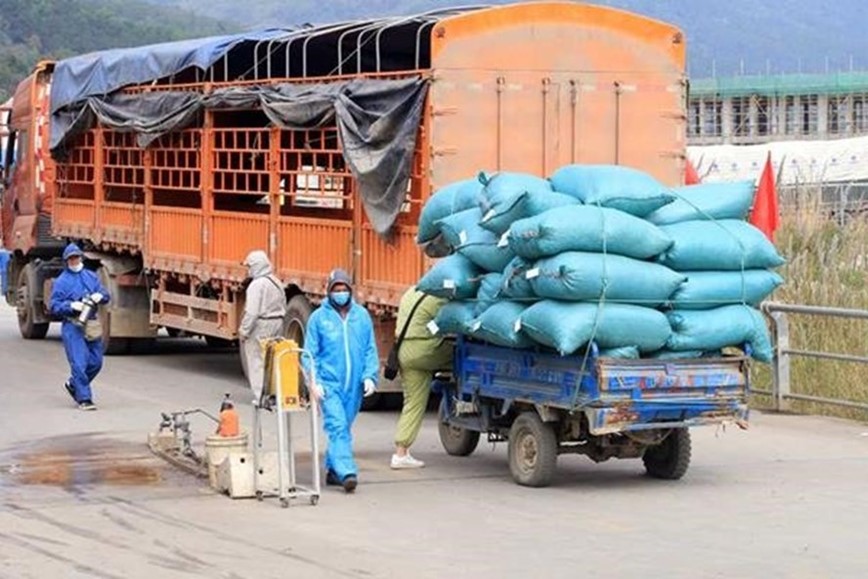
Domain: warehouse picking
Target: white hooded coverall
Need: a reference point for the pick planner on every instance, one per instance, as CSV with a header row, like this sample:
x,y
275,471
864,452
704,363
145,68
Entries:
x,y
264,311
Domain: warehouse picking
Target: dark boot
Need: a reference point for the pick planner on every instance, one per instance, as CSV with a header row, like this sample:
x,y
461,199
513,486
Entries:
x,y
350,483
332,479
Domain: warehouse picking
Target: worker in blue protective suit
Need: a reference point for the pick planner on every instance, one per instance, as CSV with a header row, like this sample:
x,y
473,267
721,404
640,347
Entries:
x,y
340,338
83,344
4,263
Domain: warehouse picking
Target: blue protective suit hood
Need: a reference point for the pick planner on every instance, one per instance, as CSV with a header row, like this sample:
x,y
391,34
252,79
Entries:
x,y
71,250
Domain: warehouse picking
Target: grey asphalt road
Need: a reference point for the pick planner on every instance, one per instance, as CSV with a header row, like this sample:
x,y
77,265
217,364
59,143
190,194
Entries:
x,y
80,496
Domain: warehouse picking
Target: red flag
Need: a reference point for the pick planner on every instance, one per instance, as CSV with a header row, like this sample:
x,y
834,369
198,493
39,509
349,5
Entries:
x,y
764,215
691,177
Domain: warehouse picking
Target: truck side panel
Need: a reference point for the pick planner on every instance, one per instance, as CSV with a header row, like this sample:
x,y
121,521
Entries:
x,y
534,87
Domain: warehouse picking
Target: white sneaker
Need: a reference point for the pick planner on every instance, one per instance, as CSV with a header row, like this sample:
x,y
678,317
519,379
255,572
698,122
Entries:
x,y
406,461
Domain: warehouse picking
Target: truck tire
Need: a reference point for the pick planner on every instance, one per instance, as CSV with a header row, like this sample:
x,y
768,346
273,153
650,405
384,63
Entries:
x,y
110,346
457,441
373,402
26,306
218,343
298,312
533,451
669,459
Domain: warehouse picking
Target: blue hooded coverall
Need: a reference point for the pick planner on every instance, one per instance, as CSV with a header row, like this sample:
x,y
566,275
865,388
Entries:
x,y
4,263
85,357
345,353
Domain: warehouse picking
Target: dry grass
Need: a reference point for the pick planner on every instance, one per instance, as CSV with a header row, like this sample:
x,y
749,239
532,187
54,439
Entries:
x,y
827,265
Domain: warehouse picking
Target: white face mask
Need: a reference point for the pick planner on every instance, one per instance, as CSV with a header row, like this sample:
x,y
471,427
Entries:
x,y
76,268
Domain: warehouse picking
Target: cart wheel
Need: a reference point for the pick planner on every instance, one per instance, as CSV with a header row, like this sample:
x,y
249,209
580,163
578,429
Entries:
x,y
533,451
457,441
284,503
259,496
314,499
669,459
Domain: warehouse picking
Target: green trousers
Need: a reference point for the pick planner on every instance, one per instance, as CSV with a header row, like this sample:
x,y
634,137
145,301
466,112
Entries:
x,y
419,360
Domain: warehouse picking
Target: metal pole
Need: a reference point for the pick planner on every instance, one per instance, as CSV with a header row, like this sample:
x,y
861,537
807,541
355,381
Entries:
x,y
781,380
281,435
314,443
771,307
292,474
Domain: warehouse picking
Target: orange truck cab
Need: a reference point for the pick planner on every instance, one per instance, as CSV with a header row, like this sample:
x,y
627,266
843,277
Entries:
x,y
168,199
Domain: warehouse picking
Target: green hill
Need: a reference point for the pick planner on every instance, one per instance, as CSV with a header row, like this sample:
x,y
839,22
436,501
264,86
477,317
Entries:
x,y
34,29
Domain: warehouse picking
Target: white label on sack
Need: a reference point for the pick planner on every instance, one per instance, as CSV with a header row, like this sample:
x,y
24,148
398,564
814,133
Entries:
x,y
504,240
532,273
462,237
475,326
449,284
433,328
517,327
488,215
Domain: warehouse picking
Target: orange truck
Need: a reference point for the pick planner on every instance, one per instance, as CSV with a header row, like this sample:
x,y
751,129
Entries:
x,y
169,163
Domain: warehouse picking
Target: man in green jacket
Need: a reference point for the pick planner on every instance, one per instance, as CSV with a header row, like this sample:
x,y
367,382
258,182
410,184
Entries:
x,y
421,355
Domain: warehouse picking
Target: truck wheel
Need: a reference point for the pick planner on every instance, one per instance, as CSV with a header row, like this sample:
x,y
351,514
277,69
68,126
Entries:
x,y
298,311
533,451
218,343
110,346
669,459
457,441
373,402
26,306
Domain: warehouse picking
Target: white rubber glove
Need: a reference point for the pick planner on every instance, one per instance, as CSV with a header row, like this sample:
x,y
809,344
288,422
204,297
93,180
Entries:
x,y
76,306
96,297
315,390
370,387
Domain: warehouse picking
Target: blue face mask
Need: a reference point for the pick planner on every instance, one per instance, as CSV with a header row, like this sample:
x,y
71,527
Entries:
x,y
340,299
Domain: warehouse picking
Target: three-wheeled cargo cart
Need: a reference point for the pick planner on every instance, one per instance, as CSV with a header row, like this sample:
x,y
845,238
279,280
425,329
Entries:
x,y
545,405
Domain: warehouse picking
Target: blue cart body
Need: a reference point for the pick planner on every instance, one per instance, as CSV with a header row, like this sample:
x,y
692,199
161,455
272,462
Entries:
x,y
492,383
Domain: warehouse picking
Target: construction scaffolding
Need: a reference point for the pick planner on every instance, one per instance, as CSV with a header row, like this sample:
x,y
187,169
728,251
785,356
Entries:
x,y
756,109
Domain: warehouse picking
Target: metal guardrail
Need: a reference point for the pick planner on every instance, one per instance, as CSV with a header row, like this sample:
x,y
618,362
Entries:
x,y
783,353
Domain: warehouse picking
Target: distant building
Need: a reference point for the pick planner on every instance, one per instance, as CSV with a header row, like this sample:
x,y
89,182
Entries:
x,y
746,110
814,126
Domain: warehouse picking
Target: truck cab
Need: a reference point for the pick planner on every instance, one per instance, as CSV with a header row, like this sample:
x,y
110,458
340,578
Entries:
x,y
26,196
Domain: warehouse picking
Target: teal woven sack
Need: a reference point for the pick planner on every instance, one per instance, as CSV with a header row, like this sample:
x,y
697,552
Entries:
x,y
707,201
489,291
509,197
567,326
453,277
454,318
704,290
586,228
727,245
446,201
729,326
462,227
497,325
577,276
686,355
613,186
515,283
463,233
625,353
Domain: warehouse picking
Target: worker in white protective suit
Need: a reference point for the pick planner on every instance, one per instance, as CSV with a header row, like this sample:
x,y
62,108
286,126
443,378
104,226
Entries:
x,y
264,311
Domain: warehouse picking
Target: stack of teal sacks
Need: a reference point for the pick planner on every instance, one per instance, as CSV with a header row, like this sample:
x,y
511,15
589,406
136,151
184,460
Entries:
x,y
603,254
